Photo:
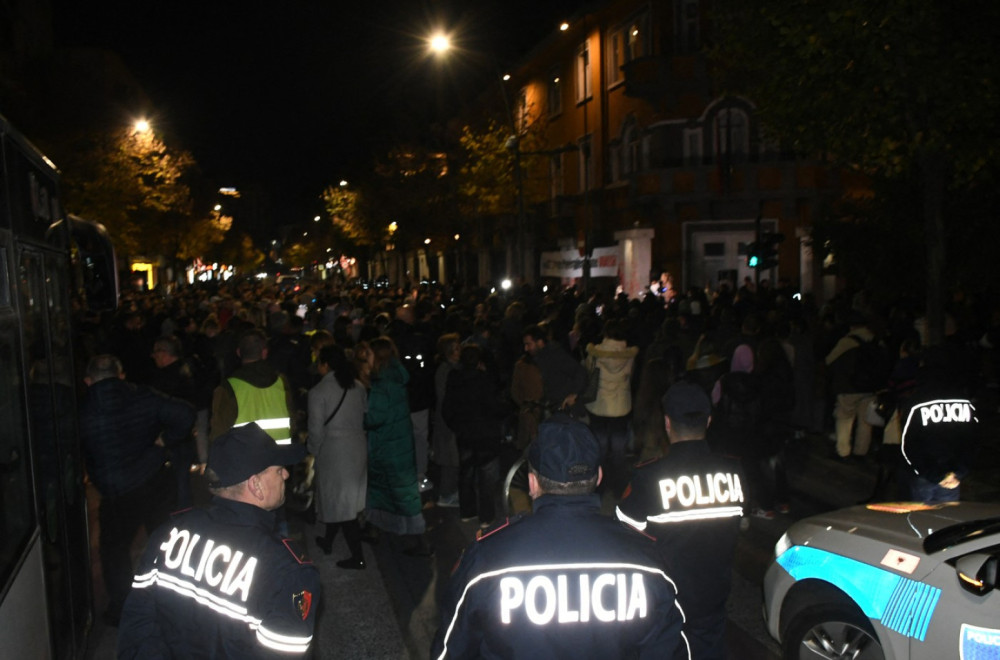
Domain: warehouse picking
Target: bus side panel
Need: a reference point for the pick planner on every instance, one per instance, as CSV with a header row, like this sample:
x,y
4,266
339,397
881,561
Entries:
x,y
23,609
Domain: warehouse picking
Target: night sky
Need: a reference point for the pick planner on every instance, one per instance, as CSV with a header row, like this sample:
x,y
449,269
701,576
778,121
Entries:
x,y
291,95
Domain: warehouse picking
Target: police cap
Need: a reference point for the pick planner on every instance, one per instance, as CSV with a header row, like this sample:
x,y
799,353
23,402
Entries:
x,y
565,450
688,403
244,451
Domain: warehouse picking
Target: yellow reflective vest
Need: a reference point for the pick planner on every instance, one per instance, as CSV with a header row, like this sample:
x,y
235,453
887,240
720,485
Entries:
x,y
267,406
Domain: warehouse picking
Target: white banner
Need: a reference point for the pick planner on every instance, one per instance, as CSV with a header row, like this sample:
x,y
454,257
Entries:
x,y
567,264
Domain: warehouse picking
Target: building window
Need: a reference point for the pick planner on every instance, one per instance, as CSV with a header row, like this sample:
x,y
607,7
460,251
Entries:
x,y
687,26
692,146
715,249
637,38
616,56
586,165
732,130
555,178
583,90
521,116
554,92
615,161
631,143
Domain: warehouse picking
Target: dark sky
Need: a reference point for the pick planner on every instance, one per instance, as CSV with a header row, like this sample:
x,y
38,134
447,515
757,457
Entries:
x,y
291,95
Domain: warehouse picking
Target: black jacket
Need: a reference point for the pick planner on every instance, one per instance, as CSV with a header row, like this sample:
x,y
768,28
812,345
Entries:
x,y
119,425
220,583
474,410
691,501
565,582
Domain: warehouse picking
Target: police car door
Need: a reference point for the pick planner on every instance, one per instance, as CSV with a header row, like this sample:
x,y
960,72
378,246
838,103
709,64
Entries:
x,y
965,622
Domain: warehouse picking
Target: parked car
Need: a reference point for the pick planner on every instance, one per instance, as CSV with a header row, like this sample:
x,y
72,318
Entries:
x,y
888,582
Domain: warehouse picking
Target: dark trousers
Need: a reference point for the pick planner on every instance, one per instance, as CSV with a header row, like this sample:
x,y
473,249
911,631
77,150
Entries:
x,y
612,434
352,534
478,485
120,516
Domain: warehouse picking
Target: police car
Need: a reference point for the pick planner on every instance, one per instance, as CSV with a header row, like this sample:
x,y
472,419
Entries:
x,y
888,582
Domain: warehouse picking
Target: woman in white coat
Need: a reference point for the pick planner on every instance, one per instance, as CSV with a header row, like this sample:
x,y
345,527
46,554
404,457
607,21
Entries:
x,y
337,440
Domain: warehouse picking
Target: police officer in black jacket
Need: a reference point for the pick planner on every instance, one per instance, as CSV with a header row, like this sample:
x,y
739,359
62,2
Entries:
x,y
691,501
220,582
565,582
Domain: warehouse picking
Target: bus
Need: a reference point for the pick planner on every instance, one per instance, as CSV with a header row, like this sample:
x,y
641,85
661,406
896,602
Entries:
x,y
51,265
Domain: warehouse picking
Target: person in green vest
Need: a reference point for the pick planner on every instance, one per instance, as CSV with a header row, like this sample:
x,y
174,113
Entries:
x,y
255,392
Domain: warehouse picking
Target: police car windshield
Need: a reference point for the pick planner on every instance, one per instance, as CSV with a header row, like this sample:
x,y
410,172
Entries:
x,y
960,533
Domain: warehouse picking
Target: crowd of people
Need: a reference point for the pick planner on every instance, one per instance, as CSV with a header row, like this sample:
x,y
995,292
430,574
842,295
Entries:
x,y
401,395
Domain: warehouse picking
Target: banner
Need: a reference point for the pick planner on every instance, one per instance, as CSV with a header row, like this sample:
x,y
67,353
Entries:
x,y
567,264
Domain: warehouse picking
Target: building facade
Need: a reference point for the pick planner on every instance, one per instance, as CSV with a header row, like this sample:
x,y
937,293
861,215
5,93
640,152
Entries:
x,y
643,151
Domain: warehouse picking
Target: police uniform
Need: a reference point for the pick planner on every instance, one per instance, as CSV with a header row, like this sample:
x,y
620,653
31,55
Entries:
x,y
940,428
220,582
691,502
565,582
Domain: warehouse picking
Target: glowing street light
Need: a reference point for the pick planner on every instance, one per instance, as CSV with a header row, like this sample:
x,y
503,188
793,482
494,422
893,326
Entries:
x,y
440,43
343,183
316,219
141,126
217,207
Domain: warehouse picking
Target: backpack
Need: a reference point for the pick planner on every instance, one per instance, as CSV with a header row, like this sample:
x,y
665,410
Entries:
x,y
871,366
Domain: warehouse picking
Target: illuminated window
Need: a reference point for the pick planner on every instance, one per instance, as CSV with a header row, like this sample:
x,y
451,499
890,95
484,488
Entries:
x,y
583,89
616,56
555,92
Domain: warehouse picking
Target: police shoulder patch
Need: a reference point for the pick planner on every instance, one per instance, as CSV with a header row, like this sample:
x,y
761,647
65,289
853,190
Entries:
x,y
498,526
296,550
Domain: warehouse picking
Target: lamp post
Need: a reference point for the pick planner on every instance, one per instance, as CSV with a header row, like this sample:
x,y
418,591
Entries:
x,y
440,44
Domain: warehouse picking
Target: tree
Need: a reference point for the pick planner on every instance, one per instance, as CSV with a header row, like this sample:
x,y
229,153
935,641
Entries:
x,y
902,90
140,189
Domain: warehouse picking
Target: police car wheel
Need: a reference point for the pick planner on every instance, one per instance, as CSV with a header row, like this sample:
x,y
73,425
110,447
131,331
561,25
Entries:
x,y
831,632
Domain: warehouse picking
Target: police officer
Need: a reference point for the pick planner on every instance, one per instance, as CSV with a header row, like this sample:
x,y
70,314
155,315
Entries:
x,y
565,582
940,429
691,501
219,582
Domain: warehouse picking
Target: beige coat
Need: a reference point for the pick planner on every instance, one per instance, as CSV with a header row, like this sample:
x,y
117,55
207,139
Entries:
x,y
615,360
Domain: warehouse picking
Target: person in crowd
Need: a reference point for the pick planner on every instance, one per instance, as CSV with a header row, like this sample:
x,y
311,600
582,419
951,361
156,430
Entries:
x,y
444,447
416,350
611,410
174,377
125,430
474,411
695,536
940,430
221,582
612,594
852,386
337,440
765,468
563,378
393,503
255,392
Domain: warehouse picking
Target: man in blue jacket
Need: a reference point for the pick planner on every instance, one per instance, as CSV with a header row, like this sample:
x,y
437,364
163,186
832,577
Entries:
x,y
566,581
124,430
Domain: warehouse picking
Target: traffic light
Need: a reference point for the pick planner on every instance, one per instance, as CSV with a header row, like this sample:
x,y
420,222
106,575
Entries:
x,y
753,254
767,252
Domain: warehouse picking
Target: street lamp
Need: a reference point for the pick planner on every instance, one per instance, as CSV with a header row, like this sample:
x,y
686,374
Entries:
x,y
141,126
441,44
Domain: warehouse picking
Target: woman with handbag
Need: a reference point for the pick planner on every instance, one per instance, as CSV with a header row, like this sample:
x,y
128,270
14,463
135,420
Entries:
x,y
337,440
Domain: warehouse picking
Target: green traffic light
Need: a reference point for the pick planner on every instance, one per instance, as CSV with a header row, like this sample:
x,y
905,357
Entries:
x,y
752,261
